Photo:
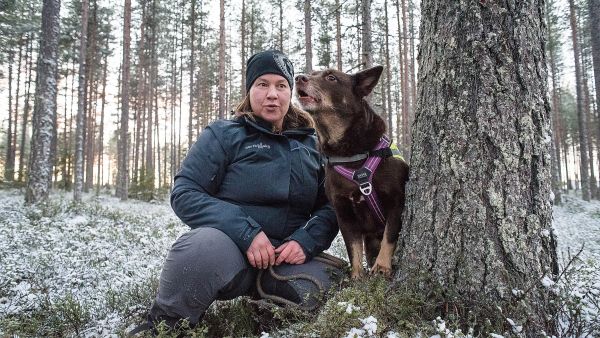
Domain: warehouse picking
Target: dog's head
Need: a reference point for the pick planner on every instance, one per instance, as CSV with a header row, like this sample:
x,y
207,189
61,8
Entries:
x,y
331,89
336,102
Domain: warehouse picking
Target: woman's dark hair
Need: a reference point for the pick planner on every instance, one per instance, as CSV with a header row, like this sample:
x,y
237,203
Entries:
x,y
294,118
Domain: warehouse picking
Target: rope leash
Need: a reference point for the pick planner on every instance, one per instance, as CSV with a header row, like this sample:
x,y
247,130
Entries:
x,y
323,258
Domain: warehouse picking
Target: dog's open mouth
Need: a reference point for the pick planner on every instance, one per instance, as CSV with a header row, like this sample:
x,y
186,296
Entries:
x,y
304,97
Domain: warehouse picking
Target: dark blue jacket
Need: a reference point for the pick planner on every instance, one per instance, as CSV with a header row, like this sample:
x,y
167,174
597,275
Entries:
x,y
241,178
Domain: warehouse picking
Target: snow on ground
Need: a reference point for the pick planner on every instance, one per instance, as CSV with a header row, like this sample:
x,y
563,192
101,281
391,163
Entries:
x,y
100,250
86,254
577,224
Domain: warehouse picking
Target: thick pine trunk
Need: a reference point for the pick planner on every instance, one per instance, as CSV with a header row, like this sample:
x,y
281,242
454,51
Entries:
x,y
477,225
44,114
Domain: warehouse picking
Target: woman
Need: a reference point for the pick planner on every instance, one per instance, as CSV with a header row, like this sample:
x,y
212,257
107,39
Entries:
x,y
252,191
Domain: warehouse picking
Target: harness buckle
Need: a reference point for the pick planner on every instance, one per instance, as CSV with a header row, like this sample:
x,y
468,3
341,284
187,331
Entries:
x,y
366,188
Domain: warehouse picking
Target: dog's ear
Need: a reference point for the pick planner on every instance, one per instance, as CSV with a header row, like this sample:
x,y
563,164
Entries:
x,y
365,81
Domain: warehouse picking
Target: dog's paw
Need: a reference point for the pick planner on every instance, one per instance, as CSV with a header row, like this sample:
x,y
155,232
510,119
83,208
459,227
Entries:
x,y
357,274
378,269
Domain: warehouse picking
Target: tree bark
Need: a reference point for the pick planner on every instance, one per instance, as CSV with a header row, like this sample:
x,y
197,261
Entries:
x,y
308,36
556,134
44,114
9,167
388,74
78,186
243,48
192,56
338,34
122,190
367,49
594,10
26,108
583,146
477,224
222,60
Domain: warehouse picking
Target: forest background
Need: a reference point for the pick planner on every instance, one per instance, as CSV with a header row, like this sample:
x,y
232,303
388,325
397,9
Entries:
x,y
105,98
180,83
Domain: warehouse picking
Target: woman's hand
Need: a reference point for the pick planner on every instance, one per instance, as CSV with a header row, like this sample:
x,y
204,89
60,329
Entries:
x,y
290,252
261,252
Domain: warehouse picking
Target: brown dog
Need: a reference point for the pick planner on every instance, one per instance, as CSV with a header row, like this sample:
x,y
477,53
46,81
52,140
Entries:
x,y
347,126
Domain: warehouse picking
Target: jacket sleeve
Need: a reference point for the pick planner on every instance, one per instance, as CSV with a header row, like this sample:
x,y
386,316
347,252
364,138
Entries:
x,y
195,186
320,230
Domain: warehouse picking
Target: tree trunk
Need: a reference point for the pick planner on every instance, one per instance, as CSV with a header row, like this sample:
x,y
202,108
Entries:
x,y
44,113
78,186
367,49
281,31
122,190
243,48
556,158
478,219
388,74
308,36
192,72
583,146
26,109
338,34
594,10
101,128
9,167
222,107
92,91
13,154
406,101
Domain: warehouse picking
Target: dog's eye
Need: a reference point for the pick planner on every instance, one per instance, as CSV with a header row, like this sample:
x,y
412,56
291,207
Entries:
x,y
331,78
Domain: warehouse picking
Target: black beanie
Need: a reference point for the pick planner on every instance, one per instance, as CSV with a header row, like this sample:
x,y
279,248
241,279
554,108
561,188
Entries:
x,y
269,62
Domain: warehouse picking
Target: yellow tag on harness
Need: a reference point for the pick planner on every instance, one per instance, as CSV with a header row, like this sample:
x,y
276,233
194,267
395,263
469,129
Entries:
x,y
396,151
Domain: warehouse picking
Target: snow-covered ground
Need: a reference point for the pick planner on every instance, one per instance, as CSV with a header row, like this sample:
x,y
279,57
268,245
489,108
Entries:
x,y
91,255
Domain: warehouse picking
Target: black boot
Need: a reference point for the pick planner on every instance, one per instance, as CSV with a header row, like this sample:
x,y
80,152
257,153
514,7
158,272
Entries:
x,y
172,324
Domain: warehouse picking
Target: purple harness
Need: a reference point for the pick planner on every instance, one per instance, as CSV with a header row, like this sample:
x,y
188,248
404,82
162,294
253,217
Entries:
x,y
363,178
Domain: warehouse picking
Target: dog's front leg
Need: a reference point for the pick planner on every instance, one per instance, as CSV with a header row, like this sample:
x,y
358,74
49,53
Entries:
x,y
351,233
354,246
383,263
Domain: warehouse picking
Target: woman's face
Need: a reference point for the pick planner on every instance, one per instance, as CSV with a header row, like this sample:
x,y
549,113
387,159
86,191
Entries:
x,y
270,97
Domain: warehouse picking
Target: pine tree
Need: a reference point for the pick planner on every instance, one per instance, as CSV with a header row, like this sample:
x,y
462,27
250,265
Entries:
x,y
79,142
44,116
478,218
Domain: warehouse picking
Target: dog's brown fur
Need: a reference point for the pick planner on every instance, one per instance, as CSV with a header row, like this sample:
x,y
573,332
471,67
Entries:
x,y
346,125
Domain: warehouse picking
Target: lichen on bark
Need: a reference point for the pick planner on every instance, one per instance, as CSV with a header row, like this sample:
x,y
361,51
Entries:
x,y
478,199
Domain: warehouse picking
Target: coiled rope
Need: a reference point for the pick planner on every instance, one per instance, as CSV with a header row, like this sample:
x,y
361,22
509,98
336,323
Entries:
x,y
323,258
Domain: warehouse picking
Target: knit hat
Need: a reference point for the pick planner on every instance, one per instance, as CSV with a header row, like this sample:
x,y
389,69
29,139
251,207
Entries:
x,y
269,62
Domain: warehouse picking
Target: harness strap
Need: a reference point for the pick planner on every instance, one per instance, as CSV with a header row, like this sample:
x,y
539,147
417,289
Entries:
x,y
363,177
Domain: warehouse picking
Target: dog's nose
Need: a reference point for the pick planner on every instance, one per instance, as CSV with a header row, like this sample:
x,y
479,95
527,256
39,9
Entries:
x,y
301,78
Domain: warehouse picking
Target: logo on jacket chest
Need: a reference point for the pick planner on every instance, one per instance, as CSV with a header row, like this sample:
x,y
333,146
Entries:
x,y
258,146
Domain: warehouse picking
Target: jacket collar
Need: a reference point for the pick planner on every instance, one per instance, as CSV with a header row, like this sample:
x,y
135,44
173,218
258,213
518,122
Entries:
x,y
267,127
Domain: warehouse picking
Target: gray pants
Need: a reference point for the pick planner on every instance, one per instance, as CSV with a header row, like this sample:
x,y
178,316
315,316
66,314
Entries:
x,y
204,265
